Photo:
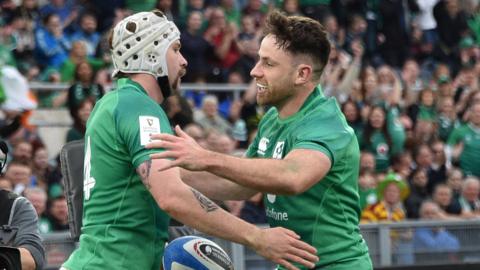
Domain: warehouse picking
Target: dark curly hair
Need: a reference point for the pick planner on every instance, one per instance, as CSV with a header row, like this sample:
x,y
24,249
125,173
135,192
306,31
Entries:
x,y
300,35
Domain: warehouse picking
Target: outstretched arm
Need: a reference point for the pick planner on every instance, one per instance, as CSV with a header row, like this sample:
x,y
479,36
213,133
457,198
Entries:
x,y
215,187
294,174
192,208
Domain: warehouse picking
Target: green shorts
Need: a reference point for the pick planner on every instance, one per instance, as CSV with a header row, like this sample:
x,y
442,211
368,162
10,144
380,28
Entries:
x,y
360,263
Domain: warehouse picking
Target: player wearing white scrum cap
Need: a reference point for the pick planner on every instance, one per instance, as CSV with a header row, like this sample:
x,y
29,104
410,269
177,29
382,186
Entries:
x,y
128,201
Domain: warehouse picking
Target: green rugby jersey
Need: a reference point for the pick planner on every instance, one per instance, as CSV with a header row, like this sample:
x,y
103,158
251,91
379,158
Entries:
x,y
123,228
326,215
469,158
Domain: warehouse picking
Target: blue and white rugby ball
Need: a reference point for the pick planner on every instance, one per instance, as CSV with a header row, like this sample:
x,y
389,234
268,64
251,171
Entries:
x,y
195,253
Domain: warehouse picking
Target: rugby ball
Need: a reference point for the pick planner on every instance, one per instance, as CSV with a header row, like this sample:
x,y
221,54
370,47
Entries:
x,y
195,253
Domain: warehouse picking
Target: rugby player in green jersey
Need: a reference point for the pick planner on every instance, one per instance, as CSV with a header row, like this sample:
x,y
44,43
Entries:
x,y
305,157
128,200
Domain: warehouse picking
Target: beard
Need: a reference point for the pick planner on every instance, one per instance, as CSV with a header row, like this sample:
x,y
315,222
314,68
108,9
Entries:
x,y
175,85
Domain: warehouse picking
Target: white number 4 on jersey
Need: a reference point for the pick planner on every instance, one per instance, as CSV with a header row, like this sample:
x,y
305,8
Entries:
x,y
88,182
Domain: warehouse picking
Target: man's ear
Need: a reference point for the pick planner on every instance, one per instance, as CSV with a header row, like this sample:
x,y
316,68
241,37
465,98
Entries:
x,y
304,74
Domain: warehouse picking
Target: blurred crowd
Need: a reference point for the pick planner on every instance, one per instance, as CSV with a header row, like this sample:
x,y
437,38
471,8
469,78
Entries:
x,y
405,74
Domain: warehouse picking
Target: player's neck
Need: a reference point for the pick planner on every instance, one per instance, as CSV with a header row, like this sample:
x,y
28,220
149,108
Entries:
x,y
149,83
293,104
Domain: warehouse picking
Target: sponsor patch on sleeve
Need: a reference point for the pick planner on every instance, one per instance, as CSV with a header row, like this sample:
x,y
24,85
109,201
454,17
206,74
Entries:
x,y
148,125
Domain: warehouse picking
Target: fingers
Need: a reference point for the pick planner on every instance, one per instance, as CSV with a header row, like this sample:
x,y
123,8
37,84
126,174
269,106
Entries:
x,y
300,260
163,155
163,137
180,132
292,233
304,246
287,265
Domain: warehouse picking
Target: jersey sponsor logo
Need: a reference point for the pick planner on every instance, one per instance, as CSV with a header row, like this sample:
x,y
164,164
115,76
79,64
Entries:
x,y
278,152
279,216
148,125
262,146
271,198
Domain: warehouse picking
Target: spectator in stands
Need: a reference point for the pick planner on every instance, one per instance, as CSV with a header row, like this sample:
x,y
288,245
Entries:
x,y
352,113
391,192
211,119
451,26
427,24
20,175
431,242
425,109
344,71
393,31
58,213
470,198
379,140
336,33
5,183
418,186
51,45
442,195
28,9
197,133
83,87
196,49
80,116
411,81
78,54
464,143
367,186
455,182
402,164
178,111
222,35
368,87
38,197
63,9
292,8
447,119
167,8
367,161
22,151
257,9
438,167
355,31
87,33
43,172
389,89
22,33
246,62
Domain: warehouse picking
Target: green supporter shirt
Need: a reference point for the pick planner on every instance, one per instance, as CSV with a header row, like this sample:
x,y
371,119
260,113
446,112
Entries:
x,y
469,158
123,228
326,215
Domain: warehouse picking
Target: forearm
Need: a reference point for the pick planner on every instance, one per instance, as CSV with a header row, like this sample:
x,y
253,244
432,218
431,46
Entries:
x,y
191,207
215,187
195,210
350,76
264,175
27,261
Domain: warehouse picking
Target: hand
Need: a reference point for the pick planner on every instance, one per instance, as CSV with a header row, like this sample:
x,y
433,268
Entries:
x,y
357,48
187,153
283,247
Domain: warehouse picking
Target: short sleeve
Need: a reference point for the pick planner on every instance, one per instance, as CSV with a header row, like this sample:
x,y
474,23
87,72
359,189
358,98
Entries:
x,y
136,117
317,146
